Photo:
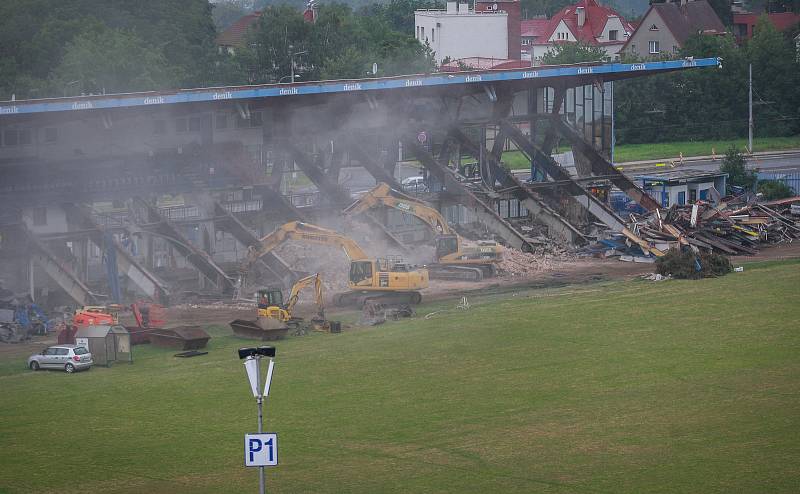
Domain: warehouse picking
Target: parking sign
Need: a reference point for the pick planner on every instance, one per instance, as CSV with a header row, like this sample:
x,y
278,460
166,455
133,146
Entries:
x,y
261,450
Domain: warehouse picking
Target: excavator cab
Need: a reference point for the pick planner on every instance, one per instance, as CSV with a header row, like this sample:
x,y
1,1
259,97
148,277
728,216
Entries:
x,y
270,297
445,245
360,271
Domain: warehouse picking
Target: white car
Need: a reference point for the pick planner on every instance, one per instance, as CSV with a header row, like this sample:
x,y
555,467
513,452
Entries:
x,y
67,357
414,184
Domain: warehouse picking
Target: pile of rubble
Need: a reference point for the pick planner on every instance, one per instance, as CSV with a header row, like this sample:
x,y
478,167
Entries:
x,y
518,263
332,264
736,227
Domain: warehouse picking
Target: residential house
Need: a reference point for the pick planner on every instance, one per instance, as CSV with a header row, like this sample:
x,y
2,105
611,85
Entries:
x,y
531,32
666,27
586,22
235,35
744,23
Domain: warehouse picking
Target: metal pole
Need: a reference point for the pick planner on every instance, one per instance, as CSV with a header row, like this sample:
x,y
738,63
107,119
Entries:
x,y
291,55
260,402
30,278
750,104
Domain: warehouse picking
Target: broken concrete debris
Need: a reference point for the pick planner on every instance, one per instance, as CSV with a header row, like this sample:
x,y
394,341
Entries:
x,y
738,226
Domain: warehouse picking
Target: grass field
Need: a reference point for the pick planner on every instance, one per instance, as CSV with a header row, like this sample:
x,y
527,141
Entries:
x,y
609,387
672,150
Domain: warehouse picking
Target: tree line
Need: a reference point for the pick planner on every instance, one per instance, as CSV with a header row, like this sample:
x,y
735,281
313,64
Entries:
x,y
713,103
73,47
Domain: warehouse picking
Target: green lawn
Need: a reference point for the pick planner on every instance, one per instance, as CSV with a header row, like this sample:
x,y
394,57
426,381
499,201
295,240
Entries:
x,y
637,386
672,150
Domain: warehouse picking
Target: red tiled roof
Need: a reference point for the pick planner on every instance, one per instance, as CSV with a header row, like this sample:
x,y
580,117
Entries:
x,y
534,27
234,35
596,17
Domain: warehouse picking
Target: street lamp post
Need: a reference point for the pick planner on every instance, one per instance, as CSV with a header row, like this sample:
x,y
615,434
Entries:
x,y
291,57
260,449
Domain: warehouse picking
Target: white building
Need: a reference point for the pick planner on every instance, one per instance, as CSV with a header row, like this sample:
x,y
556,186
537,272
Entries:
x,y
459,32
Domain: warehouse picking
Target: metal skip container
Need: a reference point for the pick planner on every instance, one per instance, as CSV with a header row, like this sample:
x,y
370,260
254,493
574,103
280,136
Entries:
x,y
262,329
180,338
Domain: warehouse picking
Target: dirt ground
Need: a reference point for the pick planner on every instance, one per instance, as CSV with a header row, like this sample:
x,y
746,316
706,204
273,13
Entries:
x,y
568,273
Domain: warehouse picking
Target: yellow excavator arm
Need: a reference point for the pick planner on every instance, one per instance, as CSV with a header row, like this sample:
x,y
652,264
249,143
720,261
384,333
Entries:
x,y
451,248
383,195
318,293
382,276
304,232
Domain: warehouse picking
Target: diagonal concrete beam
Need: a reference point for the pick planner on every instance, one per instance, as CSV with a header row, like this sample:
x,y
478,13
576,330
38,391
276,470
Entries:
x,y
378,172
150,284
557,226
271,261
574,191
197,257
56,269
485,213
601,166
324,182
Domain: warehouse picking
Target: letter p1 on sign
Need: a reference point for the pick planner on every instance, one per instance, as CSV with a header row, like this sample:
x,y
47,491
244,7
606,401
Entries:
x,y
261,450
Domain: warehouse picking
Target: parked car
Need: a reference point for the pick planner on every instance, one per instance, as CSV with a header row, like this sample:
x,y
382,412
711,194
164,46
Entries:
x,y
414,184
70,358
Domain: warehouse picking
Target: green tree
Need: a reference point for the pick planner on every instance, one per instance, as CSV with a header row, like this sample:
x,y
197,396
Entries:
x,y
399,14
774,189
111,60
35,34
734,164
564,53
280,32
776,78
340,44
226,12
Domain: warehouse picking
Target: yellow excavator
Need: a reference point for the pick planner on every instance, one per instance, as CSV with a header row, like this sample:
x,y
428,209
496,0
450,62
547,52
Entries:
x,y
456,258
275,318
387,280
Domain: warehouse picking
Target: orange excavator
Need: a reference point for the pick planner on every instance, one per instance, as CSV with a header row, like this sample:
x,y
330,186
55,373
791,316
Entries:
x,y
96,315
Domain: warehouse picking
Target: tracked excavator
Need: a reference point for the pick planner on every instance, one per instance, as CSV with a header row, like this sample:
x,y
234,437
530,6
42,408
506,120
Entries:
x,y
275,318
455,257
387,280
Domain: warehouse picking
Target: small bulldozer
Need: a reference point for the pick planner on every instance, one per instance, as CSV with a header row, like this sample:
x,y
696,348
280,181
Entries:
x,y
275,318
